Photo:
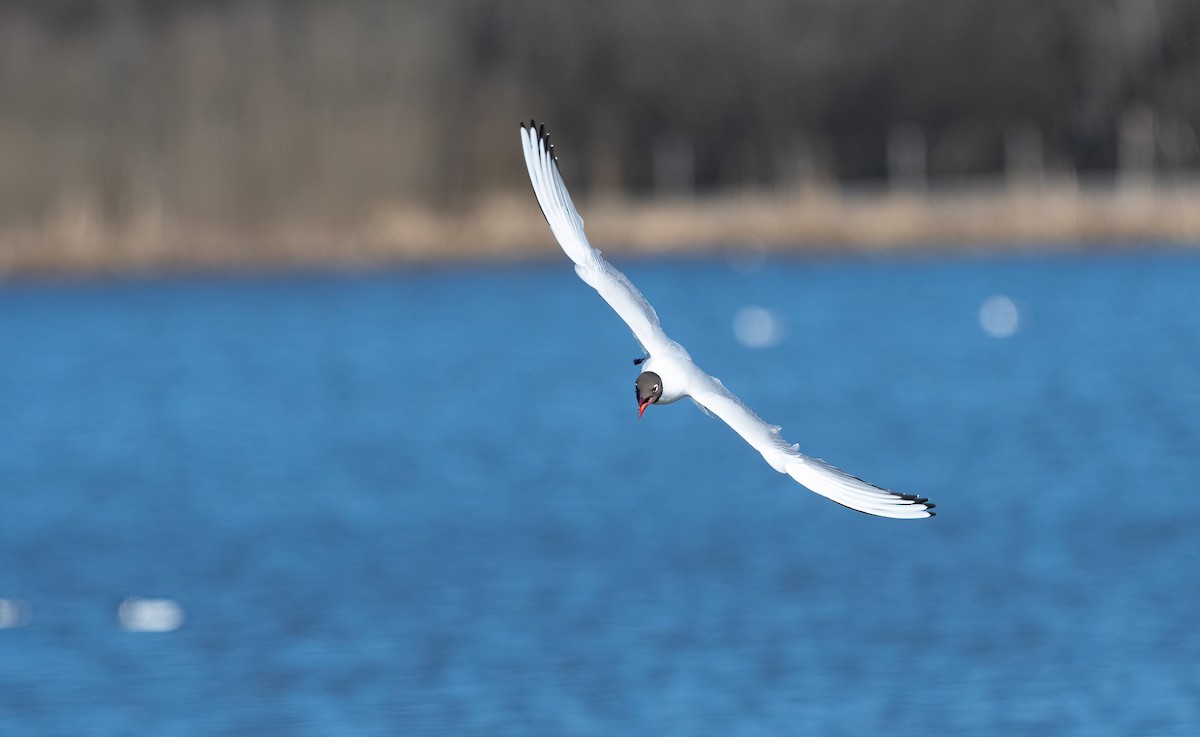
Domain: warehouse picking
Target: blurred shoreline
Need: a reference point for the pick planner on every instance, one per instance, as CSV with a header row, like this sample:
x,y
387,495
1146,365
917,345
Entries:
x,y
142,136
971,214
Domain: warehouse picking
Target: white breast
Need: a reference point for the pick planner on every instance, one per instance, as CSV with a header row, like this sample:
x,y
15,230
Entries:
x,y
674,366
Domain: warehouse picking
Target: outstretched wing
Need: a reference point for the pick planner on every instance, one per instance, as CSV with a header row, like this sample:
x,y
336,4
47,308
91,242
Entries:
x,y
813,473
567,226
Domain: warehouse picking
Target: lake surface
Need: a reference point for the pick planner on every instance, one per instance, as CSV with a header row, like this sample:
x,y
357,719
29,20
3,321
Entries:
x,y
421,504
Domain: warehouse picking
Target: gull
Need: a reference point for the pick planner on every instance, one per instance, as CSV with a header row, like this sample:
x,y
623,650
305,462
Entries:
x,y
668,373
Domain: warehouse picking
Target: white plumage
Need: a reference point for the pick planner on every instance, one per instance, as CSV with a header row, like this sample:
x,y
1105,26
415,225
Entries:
x,y
680,376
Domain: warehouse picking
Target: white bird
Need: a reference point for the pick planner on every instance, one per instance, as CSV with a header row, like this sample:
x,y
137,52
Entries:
x,y
668,374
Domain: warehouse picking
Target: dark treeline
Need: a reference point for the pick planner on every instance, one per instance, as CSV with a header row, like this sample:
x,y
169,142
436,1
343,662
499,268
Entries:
x,y
202,110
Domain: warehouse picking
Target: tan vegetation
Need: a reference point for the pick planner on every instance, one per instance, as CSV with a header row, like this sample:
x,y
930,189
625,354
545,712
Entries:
x,y
510,226
140,134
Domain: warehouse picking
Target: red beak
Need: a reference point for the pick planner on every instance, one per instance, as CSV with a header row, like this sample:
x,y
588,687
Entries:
x,y
642,407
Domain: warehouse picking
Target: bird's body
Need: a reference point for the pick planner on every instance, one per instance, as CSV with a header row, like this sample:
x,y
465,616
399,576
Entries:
x,y
678,372
669,374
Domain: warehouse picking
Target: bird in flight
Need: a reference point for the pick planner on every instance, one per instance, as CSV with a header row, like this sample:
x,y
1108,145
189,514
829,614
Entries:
x,y
668,373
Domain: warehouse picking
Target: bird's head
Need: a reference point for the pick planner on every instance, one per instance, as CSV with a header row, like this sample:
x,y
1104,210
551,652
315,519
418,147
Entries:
x,y
649,390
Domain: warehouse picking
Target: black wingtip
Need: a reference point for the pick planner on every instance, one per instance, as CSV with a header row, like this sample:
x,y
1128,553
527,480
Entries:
x,y
542,136
545,138
914,498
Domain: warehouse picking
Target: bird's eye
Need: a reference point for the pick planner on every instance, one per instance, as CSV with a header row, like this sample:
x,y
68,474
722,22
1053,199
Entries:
x,y
654,388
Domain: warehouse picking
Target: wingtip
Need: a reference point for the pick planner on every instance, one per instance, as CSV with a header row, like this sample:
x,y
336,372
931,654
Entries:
x,y
539,131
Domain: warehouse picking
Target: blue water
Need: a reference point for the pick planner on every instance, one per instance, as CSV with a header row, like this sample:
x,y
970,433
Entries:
x,y
421,504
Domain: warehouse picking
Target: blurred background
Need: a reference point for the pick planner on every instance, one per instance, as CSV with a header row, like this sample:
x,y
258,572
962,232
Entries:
x,y
194,132
308,428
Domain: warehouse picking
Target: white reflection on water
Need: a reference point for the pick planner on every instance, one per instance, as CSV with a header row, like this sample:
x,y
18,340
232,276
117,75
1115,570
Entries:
x,y
999,317
748,260
149,615
14,613
758,327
